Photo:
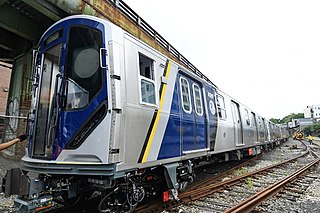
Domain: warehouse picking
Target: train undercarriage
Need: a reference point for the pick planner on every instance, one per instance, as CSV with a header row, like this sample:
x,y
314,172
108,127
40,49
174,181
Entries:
x,y
42,192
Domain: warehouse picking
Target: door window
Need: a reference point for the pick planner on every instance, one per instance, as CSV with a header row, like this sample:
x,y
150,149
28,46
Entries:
x,y
246,115
197,99
253,117
185,95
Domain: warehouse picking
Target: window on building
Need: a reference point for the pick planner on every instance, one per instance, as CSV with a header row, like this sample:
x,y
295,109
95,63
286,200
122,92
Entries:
x,y
221,107
185,95
197,99
148,91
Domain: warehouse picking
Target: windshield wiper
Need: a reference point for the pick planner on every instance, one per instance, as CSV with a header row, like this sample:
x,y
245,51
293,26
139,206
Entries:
x,y
55,109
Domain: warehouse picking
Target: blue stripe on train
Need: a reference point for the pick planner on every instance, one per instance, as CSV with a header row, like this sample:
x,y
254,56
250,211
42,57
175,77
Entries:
x,y
170,146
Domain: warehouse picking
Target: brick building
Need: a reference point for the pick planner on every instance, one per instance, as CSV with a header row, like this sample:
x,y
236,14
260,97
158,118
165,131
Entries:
x,y
16,103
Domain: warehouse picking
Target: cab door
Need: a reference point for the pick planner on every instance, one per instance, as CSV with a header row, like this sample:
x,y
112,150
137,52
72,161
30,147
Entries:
x,y
84,89
46,93
71,92
193,118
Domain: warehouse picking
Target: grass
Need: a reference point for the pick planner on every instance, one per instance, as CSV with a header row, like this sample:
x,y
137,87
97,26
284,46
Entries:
x,y
249,182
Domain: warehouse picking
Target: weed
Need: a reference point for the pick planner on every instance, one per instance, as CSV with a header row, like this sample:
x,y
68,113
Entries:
x,y
249,182
240,171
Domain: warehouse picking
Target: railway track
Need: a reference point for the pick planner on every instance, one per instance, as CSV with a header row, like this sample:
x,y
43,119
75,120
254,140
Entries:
x,y
241,185
244,192
157,205
256,199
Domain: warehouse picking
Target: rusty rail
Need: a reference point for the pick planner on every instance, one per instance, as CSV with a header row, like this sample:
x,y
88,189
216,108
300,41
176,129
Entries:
x,y
158,205
253,201
208,188
199,193
221,175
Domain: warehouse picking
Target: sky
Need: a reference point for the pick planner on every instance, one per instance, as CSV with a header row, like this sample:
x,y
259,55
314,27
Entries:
x,y
265,54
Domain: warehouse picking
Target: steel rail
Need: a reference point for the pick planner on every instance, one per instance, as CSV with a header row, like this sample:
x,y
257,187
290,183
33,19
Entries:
x,y
255,200
221,175
203,191
198,193
159,202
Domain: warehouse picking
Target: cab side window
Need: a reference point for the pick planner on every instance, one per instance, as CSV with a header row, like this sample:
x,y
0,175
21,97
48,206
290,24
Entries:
x,y
221,107
147,83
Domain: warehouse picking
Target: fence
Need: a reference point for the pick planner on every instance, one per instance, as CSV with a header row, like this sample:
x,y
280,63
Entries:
x,y
11,127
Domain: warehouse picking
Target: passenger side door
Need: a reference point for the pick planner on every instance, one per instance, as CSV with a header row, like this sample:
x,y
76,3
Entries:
x,y
193,118
237,124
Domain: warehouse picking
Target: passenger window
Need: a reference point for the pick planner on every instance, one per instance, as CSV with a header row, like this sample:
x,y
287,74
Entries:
x,y
148,91
260,125
185,95
247,117
197,99
253,116
221,107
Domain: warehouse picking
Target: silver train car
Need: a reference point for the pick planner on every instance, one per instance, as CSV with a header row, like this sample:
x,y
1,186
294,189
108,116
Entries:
x,y
113,117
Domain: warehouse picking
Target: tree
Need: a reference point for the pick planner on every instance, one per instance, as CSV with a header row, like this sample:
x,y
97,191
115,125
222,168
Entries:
x,y
312,129
275,120
288,118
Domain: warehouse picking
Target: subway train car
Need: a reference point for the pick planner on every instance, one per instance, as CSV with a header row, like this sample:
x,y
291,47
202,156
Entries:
x,y
113,118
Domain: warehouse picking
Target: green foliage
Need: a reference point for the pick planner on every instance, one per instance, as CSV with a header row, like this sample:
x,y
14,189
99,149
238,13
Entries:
x,y
240,171
249,182
275,120
287,118
312,130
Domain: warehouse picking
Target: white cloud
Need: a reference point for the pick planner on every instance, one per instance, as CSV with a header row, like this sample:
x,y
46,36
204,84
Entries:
x,y
264,53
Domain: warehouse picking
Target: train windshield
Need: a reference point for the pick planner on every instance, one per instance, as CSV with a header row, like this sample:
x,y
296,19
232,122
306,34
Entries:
x,y
83,72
